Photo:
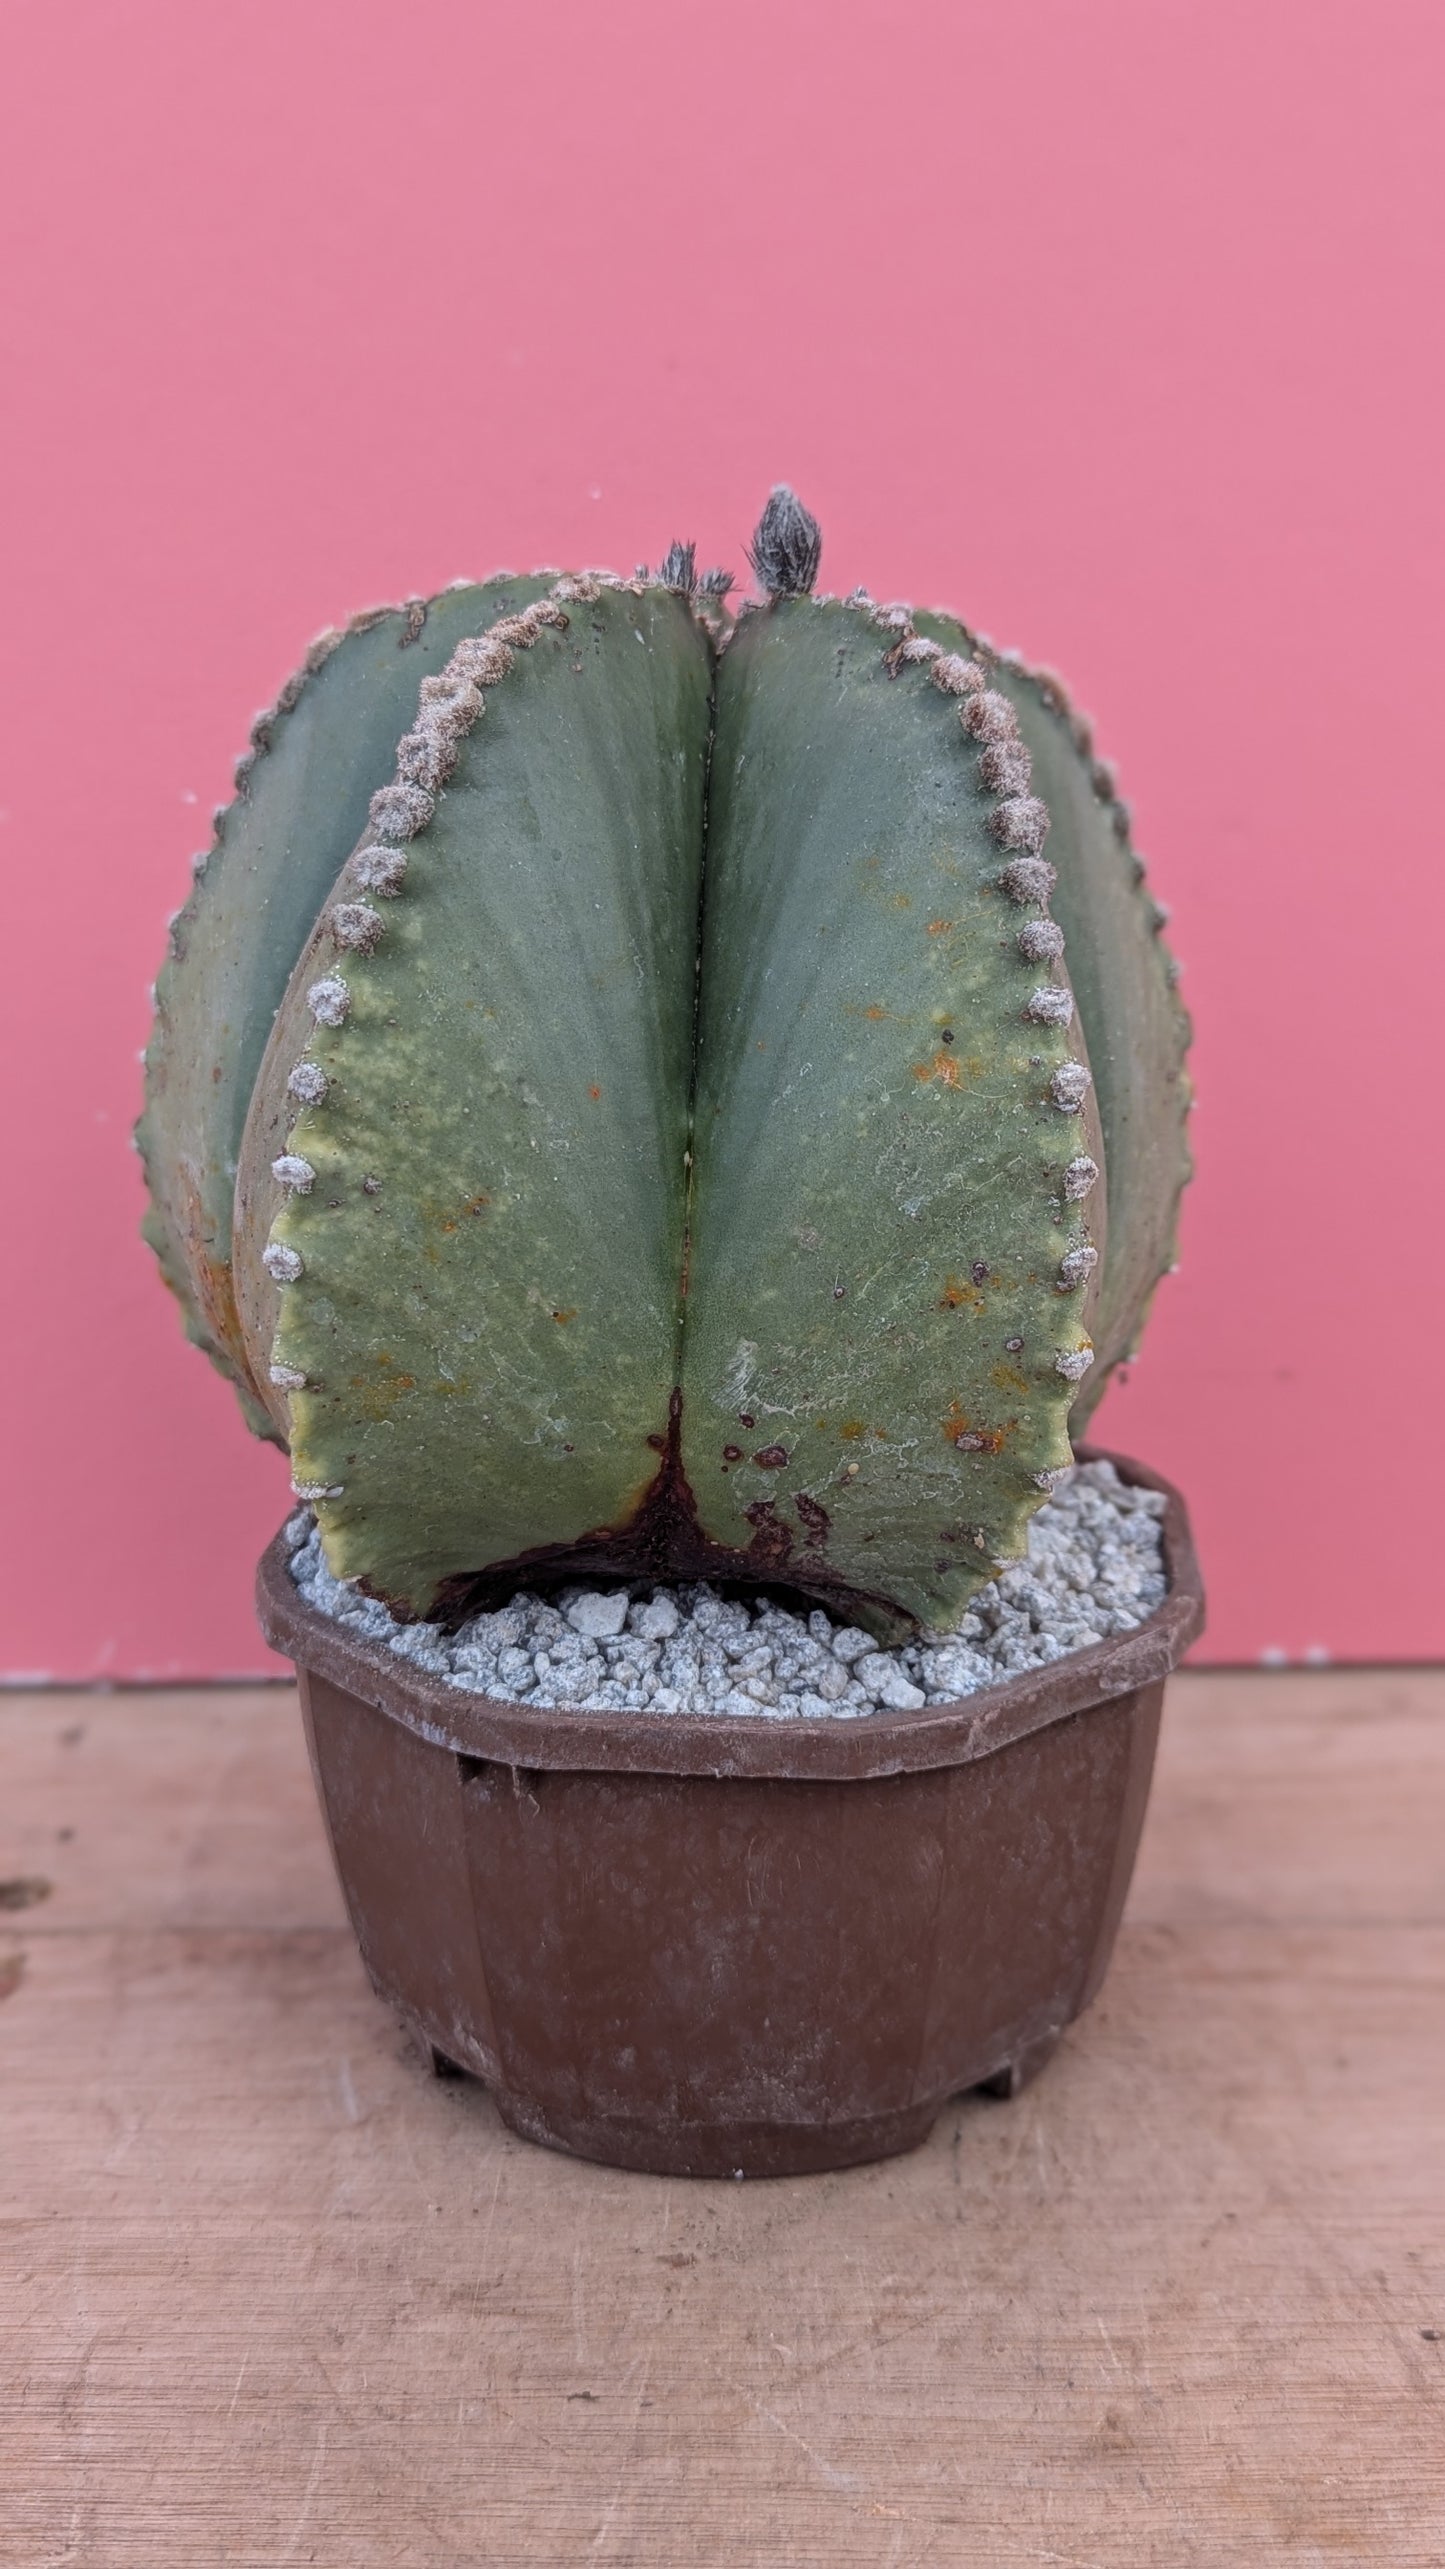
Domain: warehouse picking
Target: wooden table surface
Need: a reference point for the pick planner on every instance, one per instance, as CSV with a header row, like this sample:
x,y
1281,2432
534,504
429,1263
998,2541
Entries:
x,y
270,2293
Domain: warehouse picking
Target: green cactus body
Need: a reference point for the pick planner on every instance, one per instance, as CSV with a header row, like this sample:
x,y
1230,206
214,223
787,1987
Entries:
x,y
675,1150
301,796
486,1321
879,1223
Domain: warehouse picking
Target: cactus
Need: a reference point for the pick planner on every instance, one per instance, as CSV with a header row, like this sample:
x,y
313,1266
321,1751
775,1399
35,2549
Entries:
x,y
631,1093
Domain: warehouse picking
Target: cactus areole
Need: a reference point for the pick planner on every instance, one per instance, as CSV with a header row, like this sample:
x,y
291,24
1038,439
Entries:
x,y
648,1091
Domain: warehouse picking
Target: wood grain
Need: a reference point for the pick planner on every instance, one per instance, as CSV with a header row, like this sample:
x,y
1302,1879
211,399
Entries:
x,y
272,2294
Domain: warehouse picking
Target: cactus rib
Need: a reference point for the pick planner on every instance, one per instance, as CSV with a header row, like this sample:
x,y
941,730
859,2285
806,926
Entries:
x,y
848,1394
1126,986
301,790
447,1302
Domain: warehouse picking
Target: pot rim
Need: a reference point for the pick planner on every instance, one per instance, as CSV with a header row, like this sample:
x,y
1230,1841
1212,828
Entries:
x,y
562,1736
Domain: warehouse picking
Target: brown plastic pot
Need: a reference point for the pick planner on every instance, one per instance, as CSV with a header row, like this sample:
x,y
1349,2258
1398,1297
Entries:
x,y
713,1947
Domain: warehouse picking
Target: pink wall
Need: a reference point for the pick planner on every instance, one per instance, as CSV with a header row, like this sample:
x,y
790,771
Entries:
x,y
1116,325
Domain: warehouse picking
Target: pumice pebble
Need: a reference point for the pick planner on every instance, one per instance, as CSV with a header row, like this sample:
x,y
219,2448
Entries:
x,y
1094,1567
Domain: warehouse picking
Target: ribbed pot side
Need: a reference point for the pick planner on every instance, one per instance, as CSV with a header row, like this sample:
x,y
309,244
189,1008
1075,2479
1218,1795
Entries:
x,y
710,1947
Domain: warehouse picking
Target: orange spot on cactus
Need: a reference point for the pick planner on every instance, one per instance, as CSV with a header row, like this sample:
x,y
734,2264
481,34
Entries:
x,y
377,1400
876,1016
960,1432
940,927
851,1430
450,1222
944,1067
902,901
211,1279
960,1295
562,1317
1008,1378
216,1295
594,1094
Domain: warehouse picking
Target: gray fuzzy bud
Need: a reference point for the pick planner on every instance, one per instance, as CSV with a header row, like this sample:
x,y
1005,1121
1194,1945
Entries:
x,y
427,755
1006,767
1076,1267
1029,878
282,1265
1070,1086
482,660
1073,1363
1080,1177
1041,940
521,631
313,1490
1021,822
451,692
958,677
379,869
399,811
329,1000
787,546
295,1174
1051,1006
1052,691
288,1378
308,1082
988,716
320,651
356,925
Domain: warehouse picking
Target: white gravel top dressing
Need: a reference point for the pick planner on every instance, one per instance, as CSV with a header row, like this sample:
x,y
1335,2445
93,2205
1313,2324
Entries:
x,y
1095,1566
